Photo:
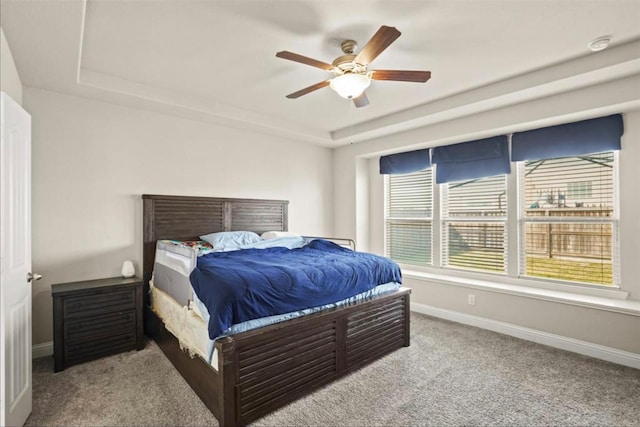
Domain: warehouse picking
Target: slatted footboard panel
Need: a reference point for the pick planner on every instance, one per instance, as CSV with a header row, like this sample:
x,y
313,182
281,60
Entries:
x,y
278,364
280,369
378,331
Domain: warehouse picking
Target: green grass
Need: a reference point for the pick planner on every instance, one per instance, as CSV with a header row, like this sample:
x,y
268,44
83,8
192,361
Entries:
x,y
572,270
583,271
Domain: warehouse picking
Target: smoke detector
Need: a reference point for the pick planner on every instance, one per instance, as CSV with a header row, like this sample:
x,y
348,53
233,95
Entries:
x,y
600,43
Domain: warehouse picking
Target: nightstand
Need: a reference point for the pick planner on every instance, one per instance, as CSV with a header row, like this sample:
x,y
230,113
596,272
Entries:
x,y
96,318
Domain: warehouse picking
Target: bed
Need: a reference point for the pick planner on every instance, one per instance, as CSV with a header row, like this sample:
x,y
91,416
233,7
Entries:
x,y
263,369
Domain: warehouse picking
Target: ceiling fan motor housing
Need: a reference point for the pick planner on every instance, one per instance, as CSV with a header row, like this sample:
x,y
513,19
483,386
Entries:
x,y
346,63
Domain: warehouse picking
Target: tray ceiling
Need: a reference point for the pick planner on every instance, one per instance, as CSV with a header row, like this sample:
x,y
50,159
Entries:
x,y
215,60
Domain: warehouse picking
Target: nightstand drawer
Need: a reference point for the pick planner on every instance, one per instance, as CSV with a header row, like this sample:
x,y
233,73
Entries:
x,y
105,302
100,327
81,352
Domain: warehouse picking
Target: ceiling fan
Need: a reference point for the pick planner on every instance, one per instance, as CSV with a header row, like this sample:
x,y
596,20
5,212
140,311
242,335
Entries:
x,y
351,71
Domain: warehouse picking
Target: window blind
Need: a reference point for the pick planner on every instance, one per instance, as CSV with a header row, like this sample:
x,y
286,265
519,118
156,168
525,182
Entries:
x,y
474,224
569,222
409,218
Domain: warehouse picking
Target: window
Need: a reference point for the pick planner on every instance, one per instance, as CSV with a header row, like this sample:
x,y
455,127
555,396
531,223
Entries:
x,y
555,219
565,215
474,215
409,217
568,226
578,190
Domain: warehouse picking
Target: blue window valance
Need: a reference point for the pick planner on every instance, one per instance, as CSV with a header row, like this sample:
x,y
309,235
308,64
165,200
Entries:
x,y
571,139
411,161
471,160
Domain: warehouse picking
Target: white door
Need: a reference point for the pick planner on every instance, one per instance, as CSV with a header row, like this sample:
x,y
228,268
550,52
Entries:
x,y
15,263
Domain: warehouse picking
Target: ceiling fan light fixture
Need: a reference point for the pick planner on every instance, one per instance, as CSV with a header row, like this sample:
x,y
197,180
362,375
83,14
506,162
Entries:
x,y
350,85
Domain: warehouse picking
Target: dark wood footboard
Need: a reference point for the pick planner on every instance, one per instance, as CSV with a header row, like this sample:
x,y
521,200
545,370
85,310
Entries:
x,y
264,369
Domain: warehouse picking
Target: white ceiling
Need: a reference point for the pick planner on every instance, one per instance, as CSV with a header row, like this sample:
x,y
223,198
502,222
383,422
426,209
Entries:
x,y
215,60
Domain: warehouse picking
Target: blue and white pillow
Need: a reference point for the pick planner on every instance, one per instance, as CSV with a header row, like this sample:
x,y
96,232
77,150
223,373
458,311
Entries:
x,y
231,240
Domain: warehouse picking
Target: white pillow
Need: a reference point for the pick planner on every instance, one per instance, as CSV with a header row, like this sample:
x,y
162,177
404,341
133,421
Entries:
x,y
225,240
275,234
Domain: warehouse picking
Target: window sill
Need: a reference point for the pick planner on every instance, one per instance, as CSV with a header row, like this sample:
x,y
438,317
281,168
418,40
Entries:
x,y
615,304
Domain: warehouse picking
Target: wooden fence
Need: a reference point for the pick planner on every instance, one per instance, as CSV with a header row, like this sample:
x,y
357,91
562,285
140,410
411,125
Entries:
x,y
584,240
578,240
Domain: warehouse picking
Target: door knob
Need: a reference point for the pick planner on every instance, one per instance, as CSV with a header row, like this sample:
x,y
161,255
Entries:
x,y
33,276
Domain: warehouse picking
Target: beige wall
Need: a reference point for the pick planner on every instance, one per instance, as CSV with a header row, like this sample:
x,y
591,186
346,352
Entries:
x,y
9,78
93,160
352,209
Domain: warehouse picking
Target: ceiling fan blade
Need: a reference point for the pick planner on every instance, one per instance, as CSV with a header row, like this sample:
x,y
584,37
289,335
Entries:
x,y
361,101
401,75
304,60
306,90
379,42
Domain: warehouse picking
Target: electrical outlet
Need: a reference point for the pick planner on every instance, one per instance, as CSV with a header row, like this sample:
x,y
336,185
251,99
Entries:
x,y
471,299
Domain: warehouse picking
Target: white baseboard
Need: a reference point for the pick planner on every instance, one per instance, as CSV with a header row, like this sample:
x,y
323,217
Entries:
x,y
42,350
586,348
609,354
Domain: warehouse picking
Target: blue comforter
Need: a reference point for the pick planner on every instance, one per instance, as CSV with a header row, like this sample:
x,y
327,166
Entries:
x,y
248,284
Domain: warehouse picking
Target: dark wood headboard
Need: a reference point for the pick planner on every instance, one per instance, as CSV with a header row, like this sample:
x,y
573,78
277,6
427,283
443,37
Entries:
x,y
186,218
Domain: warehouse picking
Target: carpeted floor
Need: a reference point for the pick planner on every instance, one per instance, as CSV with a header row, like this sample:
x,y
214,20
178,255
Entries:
x,y
451,375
